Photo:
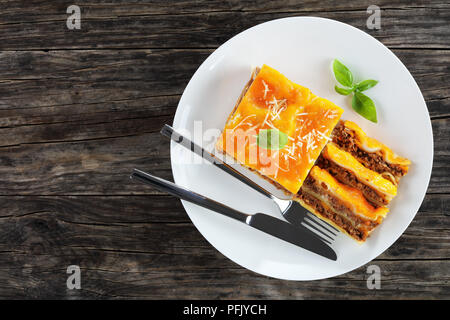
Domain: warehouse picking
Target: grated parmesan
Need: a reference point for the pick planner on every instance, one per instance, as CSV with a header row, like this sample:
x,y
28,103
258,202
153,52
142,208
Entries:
x,y
266,88
241,122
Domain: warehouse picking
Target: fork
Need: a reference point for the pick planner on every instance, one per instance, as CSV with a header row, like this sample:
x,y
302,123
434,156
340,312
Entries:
x,y
291,210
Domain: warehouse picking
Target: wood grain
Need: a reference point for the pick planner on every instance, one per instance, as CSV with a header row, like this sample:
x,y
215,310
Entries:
x,y
79,80
128,244
80,109
186,24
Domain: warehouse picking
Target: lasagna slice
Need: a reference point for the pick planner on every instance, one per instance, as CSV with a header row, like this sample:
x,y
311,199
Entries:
x,y
272,103
353,181
341,205
370,152
346,169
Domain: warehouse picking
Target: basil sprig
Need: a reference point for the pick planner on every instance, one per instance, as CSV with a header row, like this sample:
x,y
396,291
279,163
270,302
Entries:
x,y
272,139
361,103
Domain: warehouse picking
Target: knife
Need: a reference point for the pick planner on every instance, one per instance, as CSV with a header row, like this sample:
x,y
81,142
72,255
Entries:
x,y
297,235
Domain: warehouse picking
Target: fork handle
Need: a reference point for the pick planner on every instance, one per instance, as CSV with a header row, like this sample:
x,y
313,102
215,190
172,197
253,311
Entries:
x,y
185,194
169,132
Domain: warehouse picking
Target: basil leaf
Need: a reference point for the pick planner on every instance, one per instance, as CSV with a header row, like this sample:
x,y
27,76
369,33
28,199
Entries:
x,y
343,91
272,139
363,105
366,84
342,74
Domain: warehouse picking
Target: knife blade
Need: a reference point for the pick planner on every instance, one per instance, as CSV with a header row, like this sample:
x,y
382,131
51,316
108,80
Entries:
x,y
296,235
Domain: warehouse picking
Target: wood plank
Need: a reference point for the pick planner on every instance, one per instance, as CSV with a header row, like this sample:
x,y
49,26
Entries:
x,y
119,276
431,70
42,25
440,176
148,224
94,166
51,11
76,83
145,247
73,78
97,210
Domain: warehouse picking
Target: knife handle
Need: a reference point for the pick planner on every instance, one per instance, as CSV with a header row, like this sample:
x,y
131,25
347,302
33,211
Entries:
x,y
169,132
185,194
262,222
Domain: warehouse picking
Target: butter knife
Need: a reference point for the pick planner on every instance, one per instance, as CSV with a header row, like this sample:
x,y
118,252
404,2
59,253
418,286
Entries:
x,y
296,235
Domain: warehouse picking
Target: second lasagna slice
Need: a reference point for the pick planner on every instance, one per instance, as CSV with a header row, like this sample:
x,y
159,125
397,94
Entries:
x,y
370,152
340,204
353,181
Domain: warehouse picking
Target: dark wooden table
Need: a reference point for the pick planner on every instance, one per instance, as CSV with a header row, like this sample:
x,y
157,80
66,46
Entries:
x,y
80,108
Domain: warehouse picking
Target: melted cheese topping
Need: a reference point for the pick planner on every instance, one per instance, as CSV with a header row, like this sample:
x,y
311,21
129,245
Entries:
x,y
367,176
350,196
275,102
371,145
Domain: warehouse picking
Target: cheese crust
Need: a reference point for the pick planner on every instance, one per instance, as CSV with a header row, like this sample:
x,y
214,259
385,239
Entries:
x,y
272,101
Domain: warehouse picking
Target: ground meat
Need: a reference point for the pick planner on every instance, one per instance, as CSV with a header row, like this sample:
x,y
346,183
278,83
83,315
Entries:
x,y
345,224
340,213
349,178
345,139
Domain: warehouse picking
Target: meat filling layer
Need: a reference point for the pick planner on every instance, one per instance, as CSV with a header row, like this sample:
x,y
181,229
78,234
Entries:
x,y
349,178
338,212
374,161
340,221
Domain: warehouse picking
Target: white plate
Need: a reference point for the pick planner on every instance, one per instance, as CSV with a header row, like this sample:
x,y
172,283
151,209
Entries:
x,y
302,48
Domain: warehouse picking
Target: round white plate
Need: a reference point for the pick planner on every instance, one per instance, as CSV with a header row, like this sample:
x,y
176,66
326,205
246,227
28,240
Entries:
x,y
302,48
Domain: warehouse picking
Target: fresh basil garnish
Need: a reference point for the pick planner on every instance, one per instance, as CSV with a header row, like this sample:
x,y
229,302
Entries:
x,y
361,103
343,91
272,139
364,106
366,84
343,75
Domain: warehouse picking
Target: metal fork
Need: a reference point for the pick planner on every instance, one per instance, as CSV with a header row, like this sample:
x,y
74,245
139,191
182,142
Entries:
x,y
291,210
